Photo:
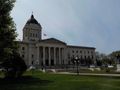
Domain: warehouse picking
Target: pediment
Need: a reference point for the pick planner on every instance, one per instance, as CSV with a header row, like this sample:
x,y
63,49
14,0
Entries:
x,y
53,40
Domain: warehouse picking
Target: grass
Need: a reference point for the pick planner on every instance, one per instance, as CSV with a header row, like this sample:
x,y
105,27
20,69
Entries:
x,y
44,81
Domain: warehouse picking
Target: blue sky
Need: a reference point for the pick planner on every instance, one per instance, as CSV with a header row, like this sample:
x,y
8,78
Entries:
x,y
94,23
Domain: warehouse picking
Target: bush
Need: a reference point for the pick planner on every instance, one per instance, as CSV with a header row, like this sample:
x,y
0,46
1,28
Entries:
x,y
14,67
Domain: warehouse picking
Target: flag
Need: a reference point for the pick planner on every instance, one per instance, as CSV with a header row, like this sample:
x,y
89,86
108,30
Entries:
x,y
44,34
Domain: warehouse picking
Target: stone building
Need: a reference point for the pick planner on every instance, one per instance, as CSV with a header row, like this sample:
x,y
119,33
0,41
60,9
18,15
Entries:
x,y
51,52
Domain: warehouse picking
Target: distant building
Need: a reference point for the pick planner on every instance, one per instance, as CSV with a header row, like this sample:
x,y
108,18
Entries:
x,y
50,52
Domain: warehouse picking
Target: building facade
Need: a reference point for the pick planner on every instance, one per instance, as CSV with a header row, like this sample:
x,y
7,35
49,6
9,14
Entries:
x,y
51,52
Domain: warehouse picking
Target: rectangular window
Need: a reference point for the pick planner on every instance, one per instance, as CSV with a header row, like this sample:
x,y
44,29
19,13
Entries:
x,y
30,34
76,51
73,56
32,56
88,52
80,51
84,52
73,51
23,48
22,56
91,52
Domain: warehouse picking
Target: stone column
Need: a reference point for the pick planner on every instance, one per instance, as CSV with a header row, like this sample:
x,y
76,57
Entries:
x,y
59,57
49,56
38,55
43,56
29,56
55,56
63,55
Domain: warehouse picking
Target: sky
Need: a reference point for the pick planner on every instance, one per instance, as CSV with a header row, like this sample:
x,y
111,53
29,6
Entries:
x,y
94,23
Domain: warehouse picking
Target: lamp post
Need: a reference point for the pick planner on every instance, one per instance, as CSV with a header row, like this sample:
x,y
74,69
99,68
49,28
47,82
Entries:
x,y
118,62
76,61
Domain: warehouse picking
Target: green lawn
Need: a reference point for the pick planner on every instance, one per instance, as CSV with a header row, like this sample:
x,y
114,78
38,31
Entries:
x,y
40,81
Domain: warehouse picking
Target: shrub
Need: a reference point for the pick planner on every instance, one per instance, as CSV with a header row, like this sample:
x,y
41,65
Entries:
x,y
14,67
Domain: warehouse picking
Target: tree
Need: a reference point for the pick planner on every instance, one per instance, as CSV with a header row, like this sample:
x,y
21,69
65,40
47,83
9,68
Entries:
x,y
9,57
14,67
100,57
7,29
115,55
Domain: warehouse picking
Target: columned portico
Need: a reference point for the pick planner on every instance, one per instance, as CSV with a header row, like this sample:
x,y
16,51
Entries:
x,y
50,56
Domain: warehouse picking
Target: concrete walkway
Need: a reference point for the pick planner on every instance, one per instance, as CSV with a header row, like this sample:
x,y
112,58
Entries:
x,y
90,74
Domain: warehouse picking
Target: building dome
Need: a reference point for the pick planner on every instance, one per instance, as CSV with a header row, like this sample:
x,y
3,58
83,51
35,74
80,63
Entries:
x,y
32,20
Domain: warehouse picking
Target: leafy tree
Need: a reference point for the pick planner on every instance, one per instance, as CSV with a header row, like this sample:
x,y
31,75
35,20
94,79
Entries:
x,y
7,29
100,56
103,59
9,58
14,67
115,56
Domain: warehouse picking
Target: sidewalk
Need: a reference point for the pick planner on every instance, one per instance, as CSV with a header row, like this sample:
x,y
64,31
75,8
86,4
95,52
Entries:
x,y
90,74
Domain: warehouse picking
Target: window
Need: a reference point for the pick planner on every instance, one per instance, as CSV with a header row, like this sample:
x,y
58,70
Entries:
x,y
30,34
77,56
62,61
92,57
32,62
26,34
72,51
36,35
22,56
80,51
91,52
84,52
32,56
88,52
33,34
76,51
81,57
88,57
23,48
73,56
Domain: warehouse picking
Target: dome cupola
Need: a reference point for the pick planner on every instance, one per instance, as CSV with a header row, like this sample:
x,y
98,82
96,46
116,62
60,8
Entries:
x,y
32,30
32,20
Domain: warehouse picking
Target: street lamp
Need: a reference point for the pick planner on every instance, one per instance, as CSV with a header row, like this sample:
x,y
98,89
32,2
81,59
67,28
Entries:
x,y
118,62
76,61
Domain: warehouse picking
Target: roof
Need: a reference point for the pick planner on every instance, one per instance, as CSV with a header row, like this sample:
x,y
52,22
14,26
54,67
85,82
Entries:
x,y
32,20
52,40
83,47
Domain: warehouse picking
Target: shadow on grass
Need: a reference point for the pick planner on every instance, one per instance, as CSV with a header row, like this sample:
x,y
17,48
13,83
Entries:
x,y
27,82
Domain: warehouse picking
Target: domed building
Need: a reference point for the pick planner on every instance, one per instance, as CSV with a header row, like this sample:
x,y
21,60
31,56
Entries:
x,y
51,52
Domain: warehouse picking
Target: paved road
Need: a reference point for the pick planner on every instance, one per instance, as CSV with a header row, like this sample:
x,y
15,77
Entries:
x,y
90,74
